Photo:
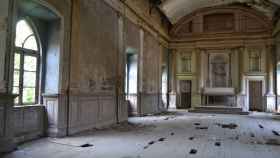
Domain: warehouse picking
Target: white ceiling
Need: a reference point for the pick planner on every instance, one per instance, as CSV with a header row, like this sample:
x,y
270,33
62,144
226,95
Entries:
x,y
176,9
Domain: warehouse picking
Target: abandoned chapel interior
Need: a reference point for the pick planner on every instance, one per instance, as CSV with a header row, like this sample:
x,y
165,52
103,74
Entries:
x,y
139,78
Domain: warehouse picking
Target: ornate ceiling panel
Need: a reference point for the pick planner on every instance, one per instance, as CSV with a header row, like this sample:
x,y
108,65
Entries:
x,y
176,9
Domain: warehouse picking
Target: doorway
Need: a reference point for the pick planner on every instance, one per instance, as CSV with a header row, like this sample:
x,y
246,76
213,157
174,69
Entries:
x,y
255,96
131,83
185,94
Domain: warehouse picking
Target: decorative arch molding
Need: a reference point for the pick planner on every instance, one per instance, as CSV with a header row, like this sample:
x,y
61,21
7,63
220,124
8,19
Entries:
x,y
49,5
221,22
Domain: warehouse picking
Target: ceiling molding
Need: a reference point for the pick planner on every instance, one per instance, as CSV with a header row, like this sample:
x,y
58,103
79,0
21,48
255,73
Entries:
x,y
176,9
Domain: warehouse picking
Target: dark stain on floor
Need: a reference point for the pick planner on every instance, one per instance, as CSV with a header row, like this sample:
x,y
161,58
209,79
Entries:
x,y
228,126
193,151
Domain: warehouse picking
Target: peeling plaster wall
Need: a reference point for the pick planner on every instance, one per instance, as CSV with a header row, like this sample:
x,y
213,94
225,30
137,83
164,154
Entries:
x,y
93,65
151,76
3,34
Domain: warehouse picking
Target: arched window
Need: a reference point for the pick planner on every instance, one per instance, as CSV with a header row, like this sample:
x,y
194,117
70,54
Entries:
x,y
26,64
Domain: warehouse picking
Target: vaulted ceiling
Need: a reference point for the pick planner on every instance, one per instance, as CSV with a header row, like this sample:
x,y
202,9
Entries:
x,y
176,9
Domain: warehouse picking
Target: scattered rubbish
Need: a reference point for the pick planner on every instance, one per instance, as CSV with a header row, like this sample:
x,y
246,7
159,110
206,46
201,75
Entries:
x,y
229,126
197,124
272,142
218,144
193,151
191,138
161,139
275,133
252,135
86,145
172,134
151,143
261,126
201,128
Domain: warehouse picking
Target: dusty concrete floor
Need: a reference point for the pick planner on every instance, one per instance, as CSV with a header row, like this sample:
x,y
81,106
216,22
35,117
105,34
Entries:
x,y
173,135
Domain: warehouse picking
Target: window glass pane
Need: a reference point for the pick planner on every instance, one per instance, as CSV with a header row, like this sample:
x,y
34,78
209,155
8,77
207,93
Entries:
x,y
17,61
16,91
30,63
29,79
16,78
28,95
23,30
31,43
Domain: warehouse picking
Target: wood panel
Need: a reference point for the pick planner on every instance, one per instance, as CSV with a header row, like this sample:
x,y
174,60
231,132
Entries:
x,y
255,96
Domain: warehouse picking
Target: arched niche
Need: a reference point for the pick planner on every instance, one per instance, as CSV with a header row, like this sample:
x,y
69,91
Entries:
x,y
48,23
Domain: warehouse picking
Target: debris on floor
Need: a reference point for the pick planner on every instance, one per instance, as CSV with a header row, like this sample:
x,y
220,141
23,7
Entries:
x,y
151,143
261,126
197,124
161,139
273,142
193,151
228,126
86,145
217,143
191,138
201,128
126,127
172,134
276,133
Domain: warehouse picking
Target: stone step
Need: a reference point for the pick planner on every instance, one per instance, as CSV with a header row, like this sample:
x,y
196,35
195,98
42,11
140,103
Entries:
x,y
218,110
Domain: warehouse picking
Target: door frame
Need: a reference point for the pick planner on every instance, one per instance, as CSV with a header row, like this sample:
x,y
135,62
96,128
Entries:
x,y
251,106
180,97
255,78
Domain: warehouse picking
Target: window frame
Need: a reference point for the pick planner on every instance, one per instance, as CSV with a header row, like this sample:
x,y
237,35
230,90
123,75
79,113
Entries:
x,y
24,52
254,57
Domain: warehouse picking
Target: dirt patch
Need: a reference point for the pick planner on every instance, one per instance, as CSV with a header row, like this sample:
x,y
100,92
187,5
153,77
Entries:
x,y
273,142
228,126
126,127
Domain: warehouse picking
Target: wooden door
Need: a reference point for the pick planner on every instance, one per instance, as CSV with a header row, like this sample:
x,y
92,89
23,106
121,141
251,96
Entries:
x,y
185,94
255,96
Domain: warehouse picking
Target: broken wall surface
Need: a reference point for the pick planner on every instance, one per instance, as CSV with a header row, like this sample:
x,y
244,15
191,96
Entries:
x,y
150,75
93,65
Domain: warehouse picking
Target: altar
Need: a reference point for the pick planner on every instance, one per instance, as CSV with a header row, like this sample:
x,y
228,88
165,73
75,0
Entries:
x,y
219,97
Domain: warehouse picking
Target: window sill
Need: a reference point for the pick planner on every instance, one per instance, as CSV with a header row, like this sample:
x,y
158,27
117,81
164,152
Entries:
x,y
28,106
